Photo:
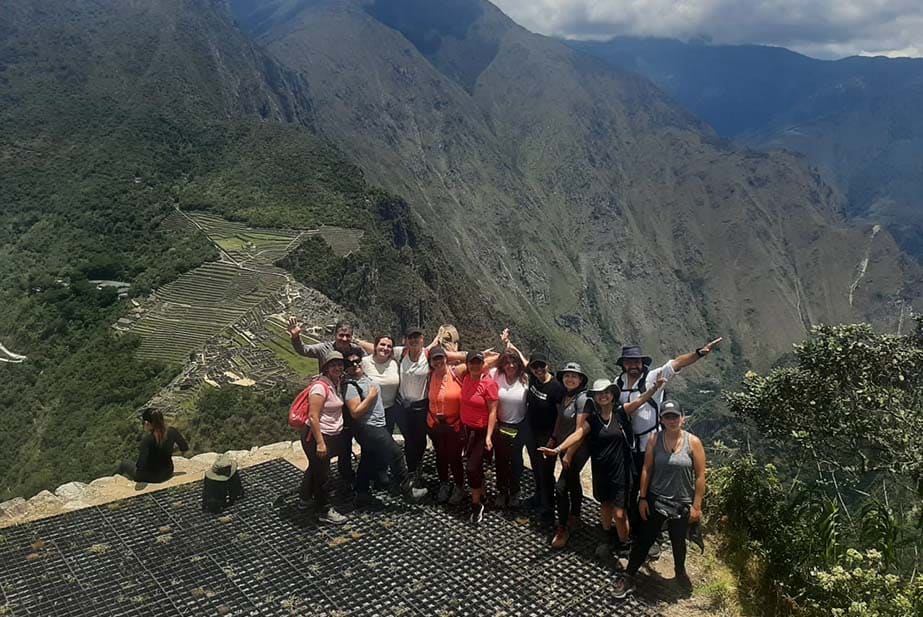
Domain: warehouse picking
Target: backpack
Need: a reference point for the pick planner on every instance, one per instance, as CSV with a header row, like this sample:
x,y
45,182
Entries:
x,y
299,412
641,387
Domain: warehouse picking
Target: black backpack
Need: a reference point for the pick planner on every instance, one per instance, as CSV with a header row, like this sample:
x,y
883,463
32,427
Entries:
x,y
640,387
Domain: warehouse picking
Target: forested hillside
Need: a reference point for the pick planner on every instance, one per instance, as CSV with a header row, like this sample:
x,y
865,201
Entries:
x,y
583,201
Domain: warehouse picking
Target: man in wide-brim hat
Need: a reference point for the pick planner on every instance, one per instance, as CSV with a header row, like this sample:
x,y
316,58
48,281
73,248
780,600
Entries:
x,y
637,375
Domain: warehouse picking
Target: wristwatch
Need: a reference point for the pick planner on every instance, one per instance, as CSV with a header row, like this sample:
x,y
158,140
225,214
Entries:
x,y
699,352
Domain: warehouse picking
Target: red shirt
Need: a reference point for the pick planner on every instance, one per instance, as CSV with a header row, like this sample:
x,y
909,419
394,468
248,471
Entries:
x,y
475,394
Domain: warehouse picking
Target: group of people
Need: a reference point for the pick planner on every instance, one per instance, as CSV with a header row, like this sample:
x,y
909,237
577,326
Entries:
x,y
648,471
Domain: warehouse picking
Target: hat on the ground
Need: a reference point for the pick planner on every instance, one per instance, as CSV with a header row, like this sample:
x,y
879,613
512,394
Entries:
x,y
633,352
573,367
671,407
330,357
437,352
474,355
223,469
601,385
538,358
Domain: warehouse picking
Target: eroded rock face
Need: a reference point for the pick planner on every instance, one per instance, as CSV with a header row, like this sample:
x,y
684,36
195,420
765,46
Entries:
x,y
207,459
14,508
45,499
73,491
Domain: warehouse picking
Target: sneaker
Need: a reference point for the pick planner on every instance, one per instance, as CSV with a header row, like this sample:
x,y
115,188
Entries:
x,y
560,538
445,491
622,549
477,513
500,501
415,495
457,496
302,505
514,501
332,517
623,586
654,553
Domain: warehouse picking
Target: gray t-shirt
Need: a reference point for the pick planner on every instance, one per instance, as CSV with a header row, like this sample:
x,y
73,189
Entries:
x,y
320,350
374,417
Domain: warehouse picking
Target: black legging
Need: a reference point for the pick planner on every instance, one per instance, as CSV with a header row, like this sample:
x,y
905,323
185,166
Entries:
x,y
316,481
542,466
568,490
379,453
411,419
650,529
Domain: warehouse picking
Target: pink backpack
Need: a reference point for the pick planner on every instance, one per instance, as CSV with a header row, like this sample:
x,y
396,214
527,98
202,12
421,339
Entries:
x,y
300,411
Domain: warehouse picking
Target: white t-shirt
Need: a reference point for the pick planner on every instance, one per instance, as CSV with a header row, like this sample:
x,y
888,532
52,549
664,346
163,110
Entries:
x,y
512,406
385,375
645,417
414,375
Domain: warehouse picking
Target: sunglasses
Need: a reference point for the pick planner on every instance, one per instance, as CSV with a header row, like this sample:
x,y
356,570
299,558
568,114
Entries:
x,y
352,363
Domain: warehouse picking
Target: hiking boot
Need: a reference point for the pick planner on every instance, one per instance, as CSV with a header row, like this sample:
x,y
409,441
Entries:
x,y
654,553
682,580
477,513
623,586
514,501
457,496
367,501
500,501
332,517
560,538
622,549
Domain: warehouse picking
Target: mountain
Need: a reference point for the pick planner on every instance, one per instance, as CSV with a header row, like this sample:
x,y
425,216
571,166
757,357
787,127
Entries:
x,y
113,115
854,118
585,204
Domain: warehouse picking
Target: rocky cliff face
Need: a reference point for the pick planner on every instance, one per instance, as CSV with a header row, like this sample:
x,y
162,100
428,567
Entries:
x,y
854,118
579,198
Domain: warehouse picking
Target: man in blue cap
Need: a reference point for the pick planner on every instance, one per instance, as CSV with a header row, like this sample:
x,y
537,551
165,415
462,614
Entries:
x,y
635,378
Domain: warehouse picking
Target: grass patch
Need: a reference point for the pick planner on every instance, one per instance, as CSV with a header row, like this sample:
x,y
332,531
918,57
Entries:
x,y
283,350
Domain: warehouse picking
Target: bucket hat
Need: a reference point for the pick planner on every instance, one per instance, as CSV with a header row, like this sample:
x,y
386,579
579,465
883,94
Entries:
x,y
633,352
601,385
330,357
223,469
573,367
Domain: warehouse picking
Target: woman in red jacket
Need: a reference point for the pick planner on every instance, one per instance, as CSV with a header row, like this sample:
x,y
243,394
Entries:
x,y
479,396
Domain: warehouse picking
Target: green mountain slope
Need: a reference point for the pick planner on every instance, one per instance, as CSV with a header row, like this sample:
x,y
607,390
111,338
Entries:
x,y
112,114
581,200
855,118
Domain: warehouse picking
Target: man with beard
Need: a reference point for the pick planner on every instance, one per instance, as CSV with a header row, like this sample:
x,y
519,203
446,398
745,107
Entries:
x,y
636,377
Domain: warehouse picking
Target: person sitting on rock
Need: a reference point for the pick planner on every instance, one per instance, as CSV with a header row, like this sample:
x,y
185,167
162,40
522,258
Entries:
x,y
155,459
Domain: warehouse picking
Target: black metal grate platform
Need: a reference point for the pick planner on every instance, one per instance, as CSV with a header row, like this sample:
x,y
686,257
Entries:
x,y
159,554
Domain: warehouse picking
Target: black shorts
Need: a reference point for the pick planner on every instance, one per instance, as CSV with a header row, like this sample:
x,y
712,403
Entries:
x,y
611,493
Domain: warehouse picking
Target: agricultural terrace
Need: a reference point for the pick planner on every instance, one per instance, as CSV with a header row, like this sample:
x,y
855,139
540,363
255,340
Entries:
x,y
258,245
198,305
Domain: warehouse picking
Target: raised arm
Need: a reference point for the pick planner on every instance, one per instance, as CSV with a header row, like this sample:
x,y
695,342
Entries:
x,y
364,345
688,359
294,330
698,462
632,406
505,337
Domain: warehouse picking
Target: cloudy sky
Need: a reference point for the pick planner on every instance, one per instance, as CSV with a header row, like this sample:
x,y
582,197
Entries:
x,y
819,28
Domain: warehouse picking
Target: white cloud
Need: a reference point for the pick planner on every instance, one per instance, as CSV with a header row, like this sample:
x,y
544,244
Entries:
x,y
821,28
